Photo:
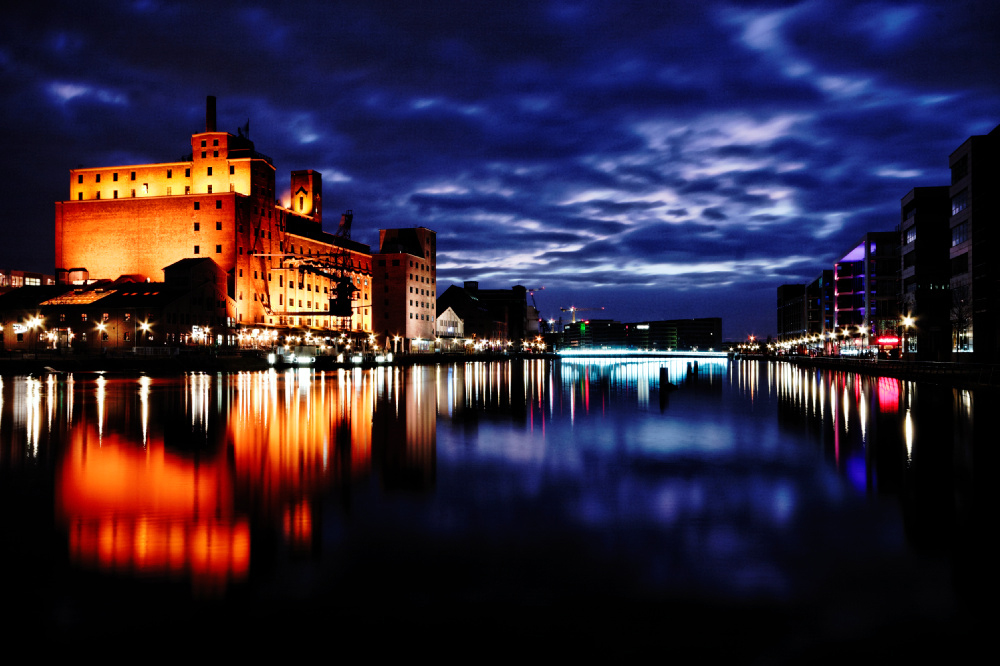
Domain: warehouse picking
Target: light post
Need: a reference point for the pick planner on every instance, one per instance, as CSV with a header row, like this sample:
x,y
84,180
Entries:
x,y
907,323
34,323
100,329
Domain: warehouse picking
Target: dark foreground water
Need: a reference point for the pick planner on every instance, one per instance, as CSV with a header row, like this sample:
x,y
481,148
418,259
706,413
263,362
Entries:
x,y
758,511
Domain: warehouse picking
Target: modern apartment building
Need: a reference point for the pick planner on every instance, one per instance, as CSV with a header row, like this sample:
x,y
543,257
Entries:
x,y
865,291
974,271
925,299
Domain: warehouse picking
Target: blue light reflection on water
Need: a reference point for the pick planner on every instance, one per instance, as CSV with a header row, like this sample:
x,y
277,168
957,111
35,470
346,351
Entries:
x,y
749,480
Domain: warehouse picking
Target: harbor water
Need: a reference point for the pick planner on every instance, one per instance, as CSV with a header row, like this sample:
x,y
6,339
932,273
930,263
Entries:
x,y
748,509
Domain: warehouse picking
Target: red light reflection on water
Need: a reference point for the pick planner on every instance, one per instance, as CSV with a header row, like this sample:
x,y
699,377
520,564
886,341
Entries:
x,y
889,390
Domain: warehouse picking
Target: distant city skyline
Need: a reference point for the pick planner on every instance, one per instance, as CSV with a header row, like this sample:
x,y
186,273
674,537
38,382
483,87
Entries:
x,y
660,160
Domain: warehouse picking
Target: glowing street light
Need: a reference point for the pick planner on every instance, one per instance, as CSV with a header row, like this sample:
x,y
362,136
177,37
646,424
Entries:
x,y
907,323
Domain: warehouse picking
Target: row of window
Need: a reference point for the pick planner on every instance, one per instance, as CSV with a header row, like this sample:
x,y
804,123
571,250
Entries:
x,y
170,173
145,191
218,226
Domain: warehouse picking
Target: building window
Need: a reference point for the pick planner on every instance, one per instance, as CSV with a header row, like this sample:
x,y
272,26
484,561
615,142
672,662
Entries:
x,y
132,176
145,188
114,177
170,173
79,179
960,233
218,226
209,189
960,264
187,189
215,153
218,249
197,249
187,173
79,196
133,194
960,201
232,169
197,226
203,144
203,154
209,171
97,178
98,195
218,203
911,235
115,194
960,170
197,205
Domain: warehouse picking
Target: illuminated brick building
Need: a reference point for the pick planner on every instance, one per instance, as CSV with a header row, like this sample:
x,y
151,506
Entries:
x,y
282,269
405,294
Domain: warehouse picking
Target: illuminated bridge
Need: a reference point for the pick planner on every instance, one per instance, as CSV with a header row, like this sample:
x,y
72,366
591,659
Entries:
x,y
638,354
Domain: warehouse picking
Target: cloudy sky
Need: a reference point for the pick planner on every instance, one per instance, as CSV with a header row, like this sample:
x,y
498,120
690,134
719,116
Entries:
x,y
659,159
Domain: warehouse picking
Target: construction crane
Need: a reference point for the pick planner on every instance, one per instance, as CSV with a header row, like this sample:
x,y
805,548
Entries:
x,y
331,265
532,292
575,309
542,327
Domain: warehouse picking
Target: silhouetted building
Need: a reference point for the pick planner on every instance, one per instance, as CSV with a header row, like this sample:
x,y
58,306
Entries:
x,y
975,273
924,278
819,305
792,312
489,314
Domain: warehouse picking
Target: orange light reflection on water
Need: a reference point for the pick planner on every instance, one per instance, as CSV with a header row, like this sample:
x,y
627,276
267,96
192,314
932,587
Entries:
x,y
133,505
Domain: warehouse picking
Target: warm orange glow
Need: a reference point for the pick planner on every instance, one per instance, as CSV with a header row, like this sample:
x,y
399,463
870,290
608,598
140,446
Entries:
x,y
147,512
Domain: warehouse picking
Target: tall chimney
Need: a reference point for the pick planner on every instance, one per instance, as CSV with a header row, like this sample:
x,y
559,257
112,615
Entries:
x,y
210,113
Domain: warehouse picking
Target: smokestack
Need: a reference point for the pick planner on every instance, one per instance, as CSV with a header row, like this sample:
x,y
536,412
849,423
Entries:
x,y
210,113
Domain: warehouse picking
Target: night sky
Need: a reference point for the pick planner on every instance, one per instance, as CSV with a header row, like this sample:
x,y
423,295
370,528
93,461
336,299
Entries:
x,y
659,159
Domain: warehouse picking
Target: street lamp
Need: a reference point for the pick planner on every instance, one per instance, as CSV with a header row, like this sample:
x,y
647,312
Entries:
x,y
100,328
907,323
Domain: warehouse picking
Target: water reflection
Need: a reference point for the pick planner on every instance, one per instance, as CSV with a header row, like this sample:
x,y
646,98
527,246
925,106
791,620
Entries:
x,y
739,480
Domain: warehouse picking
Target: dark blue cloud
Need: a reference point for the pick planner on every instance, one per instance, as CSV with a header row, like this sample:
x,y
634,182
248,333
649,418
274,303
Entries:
x,y
667,159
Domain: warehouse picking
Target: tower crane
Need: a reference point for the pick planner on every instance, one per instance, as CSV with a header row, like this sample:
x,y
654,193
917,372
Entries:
x,y
575,309
541,320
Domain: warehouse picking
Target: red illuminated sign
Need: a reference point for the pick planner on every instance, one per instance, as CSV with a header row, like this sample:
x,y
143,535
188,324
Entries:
x,y
887,340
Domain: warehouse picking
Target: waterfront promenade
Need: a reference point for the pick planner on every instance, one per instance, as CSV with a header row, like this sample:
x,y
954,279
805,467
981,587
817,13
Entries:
x,y
208,361
954,374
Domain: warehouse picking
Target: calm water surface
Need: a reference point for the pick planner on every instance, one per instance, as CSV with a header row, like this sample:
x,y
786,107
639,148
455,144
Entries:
x,y
791,510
